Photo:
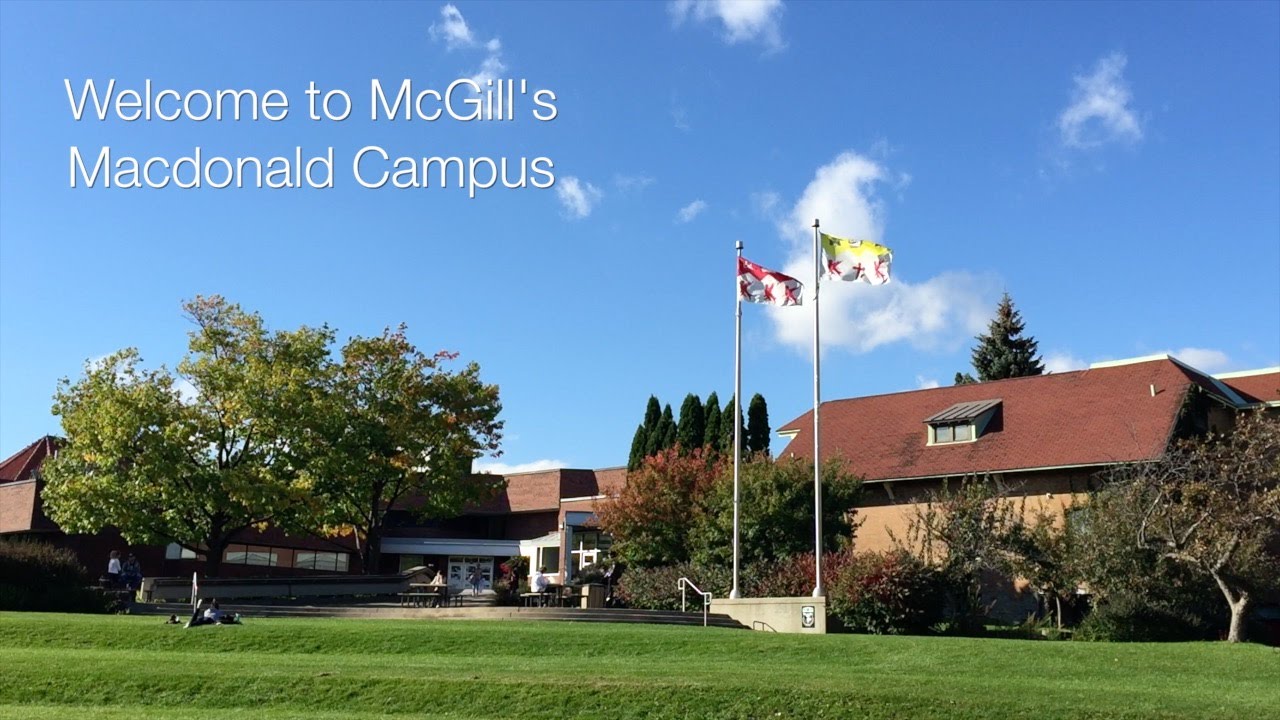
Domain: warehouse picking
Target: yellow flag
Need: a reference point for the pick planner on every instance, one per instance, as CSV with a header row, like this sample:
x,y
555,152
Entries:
x,y
857,259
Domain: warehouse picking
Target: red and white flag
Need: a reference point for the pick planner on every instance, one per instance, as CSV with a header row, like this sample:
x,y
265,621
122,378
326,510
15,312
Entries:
x,y
762,285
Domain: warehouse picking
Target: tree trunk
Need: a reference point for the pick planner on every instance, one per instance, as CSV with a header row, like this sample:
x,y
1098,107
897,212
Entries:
x,y
1239,602
1239,614
213,558
371,553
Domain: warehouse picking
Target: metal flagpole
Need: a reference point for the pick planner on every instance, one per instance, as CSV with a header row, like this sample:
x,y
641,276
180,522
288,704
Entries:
x,y
818,590
737,426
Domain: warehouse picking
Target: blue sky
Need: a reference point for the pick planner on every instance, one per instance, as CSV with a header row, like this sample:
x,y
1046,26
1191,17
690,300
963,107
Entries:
x,y
1114,167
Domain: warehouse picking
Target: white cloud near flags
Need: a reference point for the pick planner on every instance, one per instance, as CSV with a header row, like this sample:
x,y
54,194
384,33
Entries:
x,y
1058,362
1101,109
939,313
691,211
1205,359
740,20
497,468
453,31
576,197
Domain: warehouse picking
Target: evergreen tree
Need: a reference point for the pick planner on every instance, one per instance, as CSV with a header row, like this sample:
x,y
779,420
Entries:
x,y
1004,352
728,416
757,436
711,433
965,379
666,430
691,430
636,458
652,427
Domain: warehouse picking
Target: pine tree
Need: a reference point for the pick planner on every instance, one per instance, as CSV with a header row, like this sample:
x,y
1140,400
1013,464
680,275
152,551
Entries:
x,y
691,430
1003,352
652,427
636,458
757,436
666,429
965,379
728,416
711,433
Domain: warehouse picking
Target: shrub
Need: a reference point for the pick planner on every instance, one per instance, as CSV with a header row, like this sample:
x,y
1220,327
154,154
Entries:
x,y
657,588
1130,618
884,593
510,581
36,576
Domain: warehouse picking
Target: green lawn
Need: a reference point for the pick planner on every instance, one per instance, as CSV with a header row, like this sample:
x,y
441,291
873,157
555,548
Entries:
x,y
56,666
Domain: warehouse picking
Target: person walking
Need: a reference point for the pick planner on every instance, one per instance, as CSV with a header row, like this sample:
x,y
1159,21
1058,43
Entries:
x,y
477,579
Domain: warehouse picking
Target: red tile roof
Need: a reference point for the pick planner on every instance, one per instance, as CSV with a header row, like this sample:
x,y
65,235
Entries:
x,y
1103,415
1256,385
23,464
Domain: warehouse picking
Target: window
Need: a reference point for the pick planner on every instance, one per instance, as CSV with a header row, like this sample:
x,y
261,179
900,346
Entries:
x,y
174,551
964,422
251,555
549,558
312,560
408,562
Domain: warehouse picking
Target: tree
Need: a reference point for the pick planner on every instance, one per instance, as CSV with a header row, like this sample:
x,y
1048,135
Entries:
x,y
198,456
964,532
775,512
757,437
728,416
636,457
1003,352
652,518
643,442
1212,505
691,430
652,427
666,429
401,433
965,379
711,433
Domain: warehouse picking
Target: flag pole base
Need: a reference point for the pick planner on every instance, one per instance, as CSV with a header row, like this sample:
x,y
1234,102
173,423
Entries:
x,y
819,591
733,594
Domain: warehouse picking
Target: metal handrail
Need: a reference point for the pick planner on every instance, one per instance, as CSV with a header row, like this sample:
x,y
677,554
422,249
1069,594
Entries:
x,y
706,597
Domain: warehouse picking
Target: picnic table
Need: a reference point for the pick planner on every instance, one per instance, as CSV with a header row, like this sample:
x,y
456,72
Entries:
x,y
554,596
428,595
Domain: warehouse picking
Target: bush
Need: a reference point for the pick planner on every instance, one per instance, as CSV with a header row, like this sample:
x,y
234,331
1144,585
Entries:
x,y
884,593
36,576
1129,618
657,588
510,581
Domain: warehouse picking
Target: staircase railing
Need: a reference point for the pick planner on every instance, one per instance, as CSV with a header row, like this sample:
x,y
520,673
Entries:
x,y
686,584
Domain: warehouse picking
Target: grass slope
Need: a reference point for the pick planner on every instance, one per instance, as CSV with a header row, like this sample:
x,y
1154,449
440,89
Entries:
x,y
55,666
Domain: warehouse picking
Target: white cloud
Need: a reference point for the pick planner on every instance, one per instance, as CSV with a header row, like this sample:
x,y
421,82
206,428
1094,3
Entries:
x,y
765,203
497,468
452,29
741,20
924,383
1057,362
691,211
454,32
1204,359
578,198
628,184
940,313
1100,111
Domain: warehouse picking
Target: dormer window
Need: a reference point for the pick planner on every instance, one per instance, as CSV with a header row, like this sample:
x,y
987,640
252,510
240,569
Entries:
x,y
962,422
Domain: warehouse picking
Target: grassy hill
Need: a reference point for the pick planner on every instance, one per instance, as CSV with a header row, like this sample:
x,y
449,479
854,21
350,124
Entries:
x,y
56,666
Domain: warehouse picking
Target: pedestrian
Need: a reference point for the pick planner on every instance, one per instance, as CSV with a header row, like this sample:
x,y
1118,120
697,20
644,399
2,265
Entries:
x,y
113,569
477,579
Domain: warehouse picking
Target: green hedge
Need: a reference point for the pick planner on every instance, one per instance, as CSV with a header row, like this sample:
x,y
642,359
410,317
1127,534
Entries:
x,y
36,576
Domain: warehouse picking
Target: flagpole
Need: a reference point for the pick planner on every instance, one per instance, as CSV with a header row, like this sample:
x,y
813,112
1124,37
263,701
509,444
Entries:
x,y
737,426
818,590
